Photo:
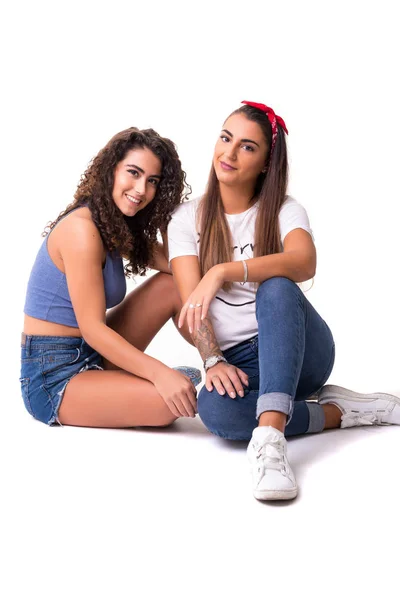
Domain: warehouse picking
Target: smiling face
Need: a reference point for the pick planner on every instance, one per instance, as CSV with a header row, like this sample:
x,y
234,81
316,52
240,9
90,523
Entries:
x,y
240,153
136,179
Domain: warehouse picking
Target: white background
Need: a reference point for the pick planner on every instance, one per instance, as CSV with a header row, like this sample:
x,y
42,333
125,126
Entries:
x,y
126,514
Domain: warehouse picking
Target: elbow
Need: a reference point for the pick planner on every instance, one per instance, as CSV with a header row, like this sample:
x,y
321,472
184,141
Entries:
x,y
310,273
88,336
309,276
90,333
307,270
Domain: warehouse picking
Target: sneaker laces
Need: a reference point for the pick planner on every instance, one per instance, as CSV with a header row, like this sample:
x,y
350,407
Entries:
x,y
354,419
270,455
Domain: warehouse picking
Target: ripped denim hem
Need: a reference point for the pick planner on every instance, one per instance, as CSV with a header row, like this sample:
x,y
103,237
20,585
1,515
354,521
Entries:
x,y
54,419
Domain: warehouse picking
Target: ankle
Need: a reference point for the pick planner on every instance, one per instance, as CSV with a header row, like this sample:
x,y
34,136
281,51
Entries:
x,y
333,416
273,418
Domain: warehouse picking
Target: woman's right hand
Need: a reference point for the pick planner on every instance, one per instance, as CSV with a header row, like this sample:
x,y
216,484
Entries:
x,y
177,391
227,379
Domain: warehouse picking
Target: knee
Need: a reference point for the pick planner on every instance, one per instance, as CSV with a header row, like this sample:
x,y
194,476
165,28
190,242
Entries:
x,y
165,282
214,412
208,406
164,287
167,286
274,289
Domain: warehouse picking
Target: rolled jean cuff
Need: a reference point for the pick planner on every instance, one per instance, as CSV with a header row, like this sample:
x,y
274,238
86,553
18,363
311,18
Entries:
x,y
317,417
275,401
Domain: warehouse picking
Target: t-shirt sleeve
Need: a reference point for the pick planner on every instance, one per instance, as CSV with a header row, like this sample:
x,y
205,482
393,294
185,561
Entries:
x,y
293,216
182,232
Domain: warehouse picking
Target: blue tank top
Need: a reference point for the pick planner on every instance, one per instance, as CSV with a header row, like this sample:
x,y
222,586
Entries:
x,y
47,295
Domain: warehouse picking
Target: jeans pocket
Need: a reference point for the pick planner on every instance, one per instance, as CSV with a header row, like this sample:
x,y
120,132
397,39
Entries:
x,y
254,344
254,384
24,381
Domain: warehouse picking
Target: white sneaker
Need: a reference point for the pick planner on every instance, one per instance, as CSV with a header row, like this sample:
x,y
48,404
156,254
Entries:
x,y
362,409
273,479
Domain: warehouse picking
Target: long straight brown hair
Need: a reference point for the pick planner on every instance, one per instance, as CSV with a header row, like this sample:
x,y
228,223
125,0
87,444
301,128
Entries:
x,y
270,189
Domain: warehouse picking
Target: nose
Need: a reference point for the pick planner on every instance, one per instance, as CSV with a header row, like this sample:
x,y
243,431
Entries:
x,y
140,186
231,152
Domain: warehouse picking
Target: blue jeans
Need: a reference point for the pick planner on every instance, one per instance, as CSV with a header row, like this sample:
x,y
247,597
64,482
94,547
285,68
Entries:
x,y
289,361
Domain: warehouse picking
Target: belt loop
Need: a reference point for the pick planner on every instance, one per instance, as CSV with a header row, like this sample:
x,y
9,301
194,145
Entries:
x,y
28,345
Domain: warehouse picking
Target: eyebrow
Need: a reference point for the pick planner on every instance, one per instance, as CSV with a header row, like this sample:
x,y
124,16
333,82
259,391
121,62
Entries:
x,y
242,140
141,171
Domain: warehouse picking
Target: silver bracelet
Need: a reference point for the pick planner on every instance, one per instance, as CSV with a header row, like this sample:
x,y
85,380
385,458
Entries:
x,y
246,273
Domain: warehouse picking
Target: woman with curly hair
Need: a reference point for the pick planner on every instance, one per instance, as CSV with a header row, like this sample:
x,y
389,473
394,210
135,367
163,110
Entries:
x,y
237,253
81,365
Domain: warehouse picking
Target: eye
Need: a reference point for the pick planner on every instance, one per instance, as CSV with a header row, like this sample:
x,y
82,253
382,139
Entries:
x,y
224,138
248,148
154,181
133,172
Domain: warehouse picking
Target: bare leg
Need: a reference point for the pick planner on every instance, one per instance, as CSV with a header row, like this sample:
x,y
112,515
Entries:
x,y
115,398
274,419
146,309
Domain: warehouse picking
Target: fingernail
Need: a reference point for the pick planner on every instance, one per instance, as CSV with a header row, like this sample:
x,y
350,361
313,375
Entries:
x,y
190,330
232,395
241,394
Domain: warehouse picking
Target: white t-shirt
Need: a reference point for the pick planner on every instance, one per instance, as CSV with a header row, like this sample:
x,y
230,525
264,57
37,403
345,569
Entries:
x,y
233,313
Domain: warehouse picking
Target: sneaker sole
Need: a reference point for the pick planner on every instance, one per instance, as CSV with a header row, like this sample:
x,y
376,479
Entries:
x,y
330,392
276,494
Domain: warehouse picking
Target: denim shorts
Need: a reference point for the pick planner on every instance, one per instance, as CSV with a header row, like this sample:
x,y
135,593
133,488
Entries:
x,y
47,364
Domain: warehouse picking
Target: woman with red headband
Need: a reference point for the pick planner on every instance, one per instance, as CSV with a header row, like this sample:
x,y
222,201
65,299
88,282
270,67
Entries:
x,y
237,254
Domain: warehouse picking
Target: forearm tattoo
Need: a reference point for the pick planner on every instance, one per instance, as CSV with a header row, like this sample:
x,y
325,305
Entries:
x,y
204,340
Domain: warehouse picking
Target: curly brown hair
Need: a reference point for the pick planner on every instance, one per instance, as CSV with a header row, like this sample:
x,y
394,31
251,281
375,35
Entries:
x,y
134,238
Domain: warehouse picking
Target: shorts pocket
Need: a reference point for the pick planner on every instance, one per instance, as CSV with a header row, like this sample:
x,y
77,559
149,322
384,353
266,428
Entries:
x,y
24,381
58,368
56,360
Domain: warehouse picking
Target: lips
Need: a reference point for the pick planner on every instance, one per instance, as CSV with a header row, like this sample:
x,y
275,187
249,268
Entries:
x,y
227,167
134,200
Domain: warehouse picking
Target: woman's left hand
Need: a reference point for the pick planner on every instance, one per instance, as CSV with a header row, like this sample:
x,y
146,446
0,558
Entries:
x,y
196,307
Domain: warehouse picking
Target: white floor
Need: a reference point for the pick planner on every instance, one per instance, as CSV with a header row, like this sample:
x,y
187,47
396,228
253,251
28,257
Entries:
x,y
149,513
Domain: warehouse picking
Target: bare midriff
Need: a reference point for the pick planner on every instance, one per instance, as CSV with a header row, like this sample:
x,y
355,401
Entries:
x,y
34,326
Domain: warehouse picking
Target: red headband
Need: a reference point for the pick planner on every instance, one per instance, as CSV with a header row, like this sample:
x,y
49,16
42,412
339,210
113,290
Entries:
x,y
272,117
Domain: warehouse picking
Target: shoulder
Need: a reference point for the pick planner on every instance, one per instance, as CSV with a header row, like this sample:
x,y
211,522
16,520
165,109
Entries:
x,y
291,210
187,210
291,205
78,232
